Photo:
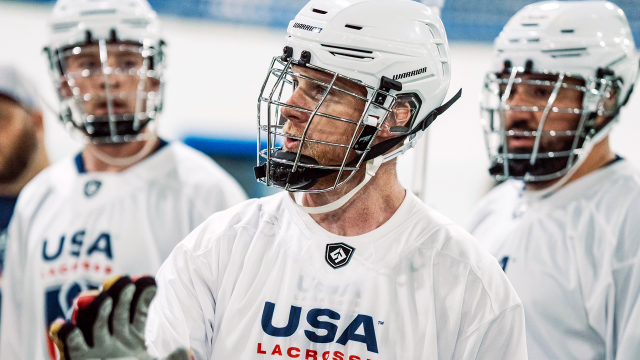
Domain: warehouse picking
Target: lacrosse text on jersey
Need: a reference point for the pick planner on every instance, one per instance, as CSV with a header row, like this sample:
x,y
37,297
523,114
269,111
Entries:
x,y
72,263
72,230
263,281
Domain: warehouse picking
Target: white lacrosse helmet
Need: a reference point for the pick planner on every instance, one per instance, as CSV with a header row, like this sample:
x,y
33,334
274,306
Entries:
x,y
396,49
99,30
586,40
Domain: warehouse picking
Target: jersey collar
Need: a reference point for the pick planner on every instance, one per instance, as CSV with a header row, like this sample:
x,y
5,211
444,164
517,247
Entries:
x,y
372,248
585,185
79,161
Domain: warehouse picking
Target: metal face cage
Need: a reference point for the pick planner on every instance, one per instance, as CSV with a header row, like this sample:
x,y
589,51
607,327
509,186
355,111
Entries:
x,y
550,153
279,85
109,91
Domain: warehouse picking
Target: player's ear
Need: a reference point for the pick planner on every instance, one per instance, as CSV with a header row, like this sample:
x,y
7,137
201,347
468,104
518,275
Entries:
x,y
608,105
65,88
399,117
37,120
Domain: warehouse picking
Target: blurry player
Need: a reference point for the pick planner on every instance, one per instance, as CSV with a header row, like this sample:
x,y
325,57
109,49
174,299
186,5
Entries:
x,y
127,199
346,264
565,224
22,151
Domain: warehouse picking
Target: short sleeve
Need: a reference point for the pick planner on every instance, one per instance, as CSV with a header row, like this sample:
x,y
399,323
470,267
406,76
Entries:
x,y
182,313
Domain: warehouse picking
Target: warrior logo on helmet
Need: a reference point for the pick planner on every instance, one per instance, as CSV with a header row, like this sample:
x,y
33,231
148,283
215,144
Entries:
x,y
338,99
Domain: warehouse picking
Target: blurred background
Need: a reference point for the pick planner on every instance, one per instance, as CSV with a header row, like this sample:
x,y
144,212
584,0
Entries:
x,y
218,55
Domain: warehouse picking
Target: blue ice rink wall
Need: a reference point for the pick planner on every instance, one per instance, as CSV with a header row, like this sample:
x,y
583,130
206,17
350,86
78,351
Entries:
x,y
470,20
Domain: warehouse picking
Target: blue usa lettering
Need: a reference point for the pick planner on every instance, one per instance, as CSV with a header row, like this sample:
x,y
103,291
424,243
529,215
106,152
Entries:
x,y
56,255
102,244
349,334
76,243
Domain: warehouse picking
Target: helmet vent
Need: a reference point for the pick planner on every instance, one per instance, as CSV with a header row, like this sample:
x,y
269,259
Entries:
x,y
136,22
334,53
533,40
567,31
98,12
563,53
567,55
354,27
346,48
530,24
319,11
64,26
555,51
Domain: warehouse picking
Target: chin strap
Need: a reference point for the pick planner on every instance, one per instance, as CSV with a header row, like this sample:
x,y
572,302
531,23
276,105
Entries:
x,y
372,167
387,145
125,161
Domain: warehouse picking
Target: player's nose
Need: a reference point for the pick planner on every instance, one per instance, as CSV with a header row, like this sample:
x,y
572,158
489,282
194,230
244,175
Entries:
x,y
521,120
520,114
112,76
109,78
296,113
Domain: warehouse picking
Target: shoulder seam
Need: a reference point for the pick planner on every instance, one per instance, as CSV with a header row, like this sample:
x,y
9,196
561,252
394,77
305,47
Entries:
x,y
484,288
36,210
627,263
230,231
493,318
214,240
609,227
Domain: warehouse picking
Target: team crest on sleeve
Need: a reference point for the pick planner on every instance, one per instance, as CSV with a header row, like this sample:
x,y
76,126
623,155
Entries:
x,y
92,187
338,254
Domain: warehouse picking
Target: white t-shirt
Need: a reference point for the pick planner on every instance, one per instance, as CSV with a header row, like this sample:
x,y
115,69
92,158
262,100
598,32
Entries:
x,y
72,230
574,260
255,282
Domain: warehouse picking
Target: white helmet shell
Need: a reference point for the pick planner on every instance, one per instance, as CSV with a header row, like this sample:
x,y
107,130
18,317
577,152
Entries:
x,y
367,39
103,24
575,37
552,41
396,49
133,20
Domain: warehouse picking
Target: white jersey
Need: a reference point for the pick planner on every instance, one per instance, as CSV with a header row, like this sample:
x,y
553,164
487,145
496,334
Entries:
x,y
72,230
258,282
574,260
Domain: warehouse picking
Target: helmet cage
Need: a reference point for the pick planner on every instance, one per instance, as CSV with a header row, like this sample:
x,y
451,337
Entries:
x,y
379,103
112,127
496,91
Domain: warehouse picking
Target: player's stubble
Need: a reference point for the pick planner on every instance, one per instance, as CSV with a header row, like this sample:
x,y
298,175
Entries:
x,y
328,155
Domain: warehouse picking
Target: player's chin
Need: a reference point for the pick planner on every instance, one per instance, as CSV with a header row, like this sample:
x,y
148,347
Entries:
x,y
291,147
